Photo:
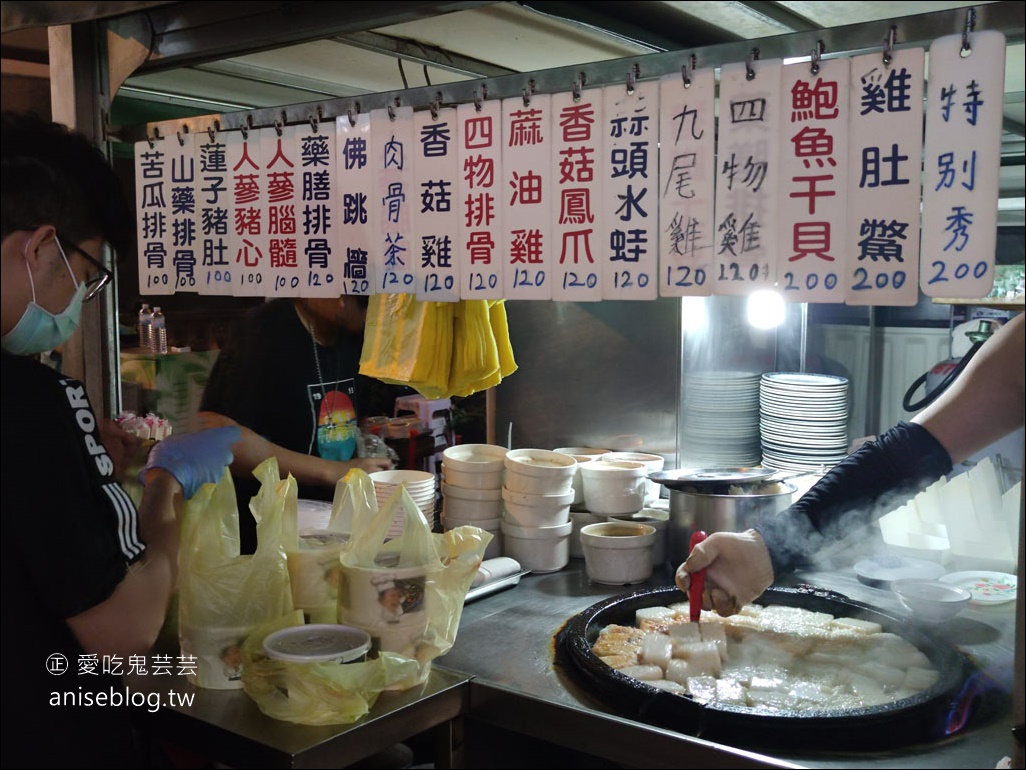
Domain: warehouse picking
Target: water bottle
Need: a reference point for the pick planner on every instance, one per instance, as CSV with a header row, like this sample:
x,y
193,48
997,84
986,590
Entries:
x,y
144,327
158,330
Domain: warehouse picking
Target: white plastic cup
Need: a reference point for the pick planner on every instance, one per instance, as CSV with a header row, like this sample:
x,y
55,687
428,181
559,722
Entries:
x,y
539,549
390,603
493,526
579,519
318,643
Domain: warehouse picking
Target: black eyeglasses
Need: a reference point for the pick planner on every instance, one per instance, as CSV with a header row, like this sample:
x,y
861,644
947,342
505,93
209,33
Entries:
x,y
97,283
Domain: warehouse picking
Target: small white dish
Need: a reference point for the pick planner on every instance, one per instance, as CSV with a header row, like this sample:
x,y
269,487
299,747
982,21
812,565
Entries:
x,y
985,587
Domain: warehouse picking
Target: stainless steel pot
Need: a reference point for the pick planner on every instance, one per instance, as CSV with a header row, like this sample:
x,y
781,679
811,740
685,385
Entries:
x,y
690,511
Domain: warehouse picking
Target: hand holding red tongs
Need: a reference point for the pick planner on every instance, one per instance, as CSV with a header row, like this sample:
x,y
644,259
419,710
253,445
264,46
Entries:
x,y
697,581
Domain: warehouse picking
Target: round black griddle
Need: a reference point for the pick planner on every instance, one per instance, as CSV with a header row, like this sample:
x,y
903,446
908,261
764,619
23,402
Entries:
x,y
925,717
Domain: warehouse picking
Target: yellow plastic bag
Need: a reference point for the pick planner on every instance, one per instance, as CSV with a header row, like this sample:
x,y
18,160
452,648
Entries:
x,y
407,342
407,592
316,693
223,595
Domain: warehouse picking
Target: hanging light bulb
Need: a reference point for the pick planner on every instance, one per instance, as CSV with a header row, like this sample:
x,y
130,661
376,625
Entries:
x,y
765,309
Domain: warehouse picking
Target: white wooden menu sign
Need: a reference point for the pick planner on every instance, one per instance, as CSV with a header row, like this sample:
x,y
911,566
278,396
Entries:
x,y
213,214
687,174
317,210
527,195
630,198
281,264
885,145
480,196
184,238
576,163
152,198
964,111
436,224
747,170
249,212
358,232
391,142
811,254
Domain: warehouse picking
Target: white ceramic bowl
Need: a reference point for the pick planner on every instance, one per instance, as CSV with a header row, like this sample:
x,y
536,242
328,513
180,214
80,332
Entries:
x,y
528,510
471,510
653,464
539,471
539,549
614,486
618,552
412,479
931,601
578,484
468,493
660,520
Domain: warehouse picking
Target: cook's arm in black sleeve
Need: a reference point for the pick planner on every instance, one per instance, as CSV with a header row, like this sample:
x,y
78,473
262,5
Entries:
x,y
903,461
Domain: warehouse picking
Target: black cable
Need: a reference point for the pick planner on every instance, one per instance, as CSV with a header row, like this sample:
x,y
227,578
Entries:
x,y
932,396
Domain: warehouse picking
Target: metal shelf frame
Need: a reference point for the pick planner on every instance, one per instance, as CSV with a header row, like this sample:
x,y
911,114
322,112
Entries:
x,y
1007,17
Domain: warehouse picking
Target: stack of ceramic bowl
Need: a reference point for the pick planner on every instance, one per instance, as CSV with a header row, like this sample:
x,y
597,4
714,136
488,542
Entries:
x,y
803,421
472,490
419,484
536,496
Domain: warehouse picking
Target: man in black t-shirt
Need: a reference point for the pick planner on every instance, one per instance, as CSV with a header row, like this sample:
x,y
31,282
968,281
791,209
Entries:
x,y
290,379
87,577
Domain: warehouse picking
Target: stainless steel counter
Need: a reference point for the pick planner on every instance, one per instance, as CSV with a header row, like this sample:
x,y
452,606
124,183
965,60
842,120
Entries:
x,y
227,726
505,643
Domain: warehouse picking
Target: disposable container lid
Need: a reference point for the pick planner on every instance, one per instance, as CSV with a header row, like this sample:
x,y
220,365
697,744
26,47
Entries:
x,y
318,643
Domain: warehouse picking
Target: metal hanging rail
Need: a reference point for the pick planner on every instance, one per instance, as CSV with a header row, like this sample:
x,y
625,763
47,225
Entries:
x,y
1007,17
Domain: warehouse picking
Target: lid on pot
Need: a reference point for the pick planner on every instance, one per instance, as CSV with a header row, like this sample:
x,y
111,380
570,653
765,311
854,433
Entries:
x,y
692,477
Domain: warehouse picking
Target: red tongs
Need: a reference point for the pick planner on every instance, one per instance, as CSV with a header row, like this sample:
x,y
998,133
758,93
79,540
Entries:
x,y
697,581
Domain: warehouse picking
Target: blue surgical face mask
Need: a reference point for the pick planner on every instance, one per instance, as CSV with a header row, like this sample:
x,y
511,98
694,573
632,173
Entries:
x,y
39,330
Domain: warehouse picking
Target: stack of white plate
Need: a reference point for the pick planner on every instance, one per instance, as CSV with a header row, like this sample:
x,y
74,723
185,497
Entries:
x,y
420,485
803,420
720,419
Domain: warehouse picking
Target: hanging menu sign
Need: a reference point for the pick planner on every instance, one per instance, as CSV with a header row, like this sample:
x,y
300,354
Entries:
x,y
885,145
357,218
391,142
687,172
811,253
280,268
964,113
316,204
152,195
630,198
576,153
213,214
746,178
249,212
528,196
481,231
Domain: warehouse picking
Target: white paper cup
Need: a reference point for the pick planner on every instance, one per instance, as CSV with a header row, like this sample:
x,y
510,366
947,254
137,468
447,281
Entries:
x,y
390,603
218,653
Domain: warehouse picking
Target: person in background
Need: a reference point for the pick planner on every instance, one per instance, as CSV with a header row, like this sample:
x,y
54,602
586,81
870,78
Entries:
x,y
984,404
87,577
289,377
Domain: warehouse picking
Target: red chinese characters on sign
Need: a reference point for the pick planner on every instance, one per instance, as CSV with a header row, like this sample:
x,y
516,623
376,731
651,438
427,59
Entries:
x,y
526,169
814,161
248,198
576,149
480,147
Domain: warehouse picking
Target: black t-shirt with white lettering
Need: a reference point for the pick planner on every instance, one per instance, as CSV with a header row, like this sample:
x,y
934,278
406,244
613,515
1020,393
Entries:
x,y
69,533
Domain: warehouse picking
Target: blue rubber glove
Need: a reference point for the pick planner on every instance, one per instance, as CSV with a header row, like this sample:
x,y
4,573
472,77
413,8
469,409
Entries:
x,y
195,459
